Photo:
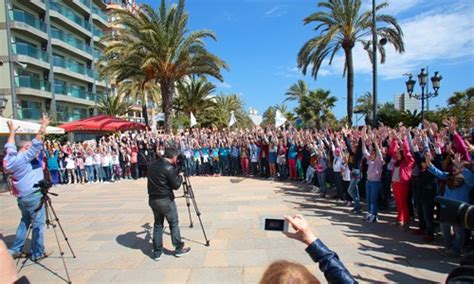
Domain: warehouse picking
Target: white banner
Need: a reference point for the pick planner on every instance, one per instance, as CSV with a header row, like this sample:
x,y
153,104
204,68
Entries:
x,y
193,120
279,118
232,119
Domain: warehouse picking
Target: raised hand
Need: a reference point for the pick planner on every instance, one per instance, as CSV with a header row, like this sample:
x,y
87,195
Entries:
x,y
303,231
44,121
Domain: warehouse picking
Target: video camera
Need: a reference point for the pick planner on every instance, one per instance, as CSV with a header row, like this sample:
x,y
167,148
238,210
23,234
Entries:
x,y
180,167
43,185
453,212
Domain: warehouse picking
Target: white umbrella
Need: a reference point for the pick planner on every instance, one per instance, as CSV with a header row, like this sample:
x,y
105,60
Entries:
x,y
26,127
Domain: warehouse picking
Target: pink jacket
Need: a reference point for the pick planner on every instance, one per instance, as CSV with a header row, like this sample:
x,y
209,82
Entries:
x,y
407,163
461,147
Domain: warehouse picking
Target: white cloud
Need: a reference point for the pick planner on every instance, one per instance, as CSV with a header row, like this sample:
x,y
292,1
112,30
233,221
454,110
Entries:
x,y
223,85
430,39
395,7
276,11
289,72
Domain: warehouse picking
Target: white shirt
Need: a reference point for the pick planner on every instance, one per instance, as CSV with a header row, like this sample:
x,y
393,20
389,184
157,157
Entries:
x,y
337,164
89,160
70,163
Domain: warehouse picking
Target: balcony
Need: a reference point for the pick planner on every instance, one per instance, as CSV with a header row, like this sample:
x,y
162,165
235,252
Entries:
x,y
72,66
66,116
21,48
25,81
101,16
73,18
29,114
97,33
62,89
71,40
24,21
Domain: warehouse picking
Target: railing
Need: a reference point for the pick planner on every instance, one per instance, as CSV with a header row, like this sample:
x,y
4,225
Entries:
x,y
55,6
66,116
72,91
86,2
100,13
97,54
29,113
72,66
97,32
71,40
22,16
25,81
30,51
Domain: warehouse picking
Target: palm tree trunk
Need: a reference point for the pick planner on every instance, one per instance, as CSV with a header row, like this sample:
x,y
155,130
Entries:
x,y
167,93
145,114
350,83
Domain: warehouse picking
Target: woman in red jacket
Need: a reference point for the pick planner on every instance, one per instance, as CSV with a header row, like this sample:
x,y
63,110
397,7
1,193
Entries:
x,y
401,175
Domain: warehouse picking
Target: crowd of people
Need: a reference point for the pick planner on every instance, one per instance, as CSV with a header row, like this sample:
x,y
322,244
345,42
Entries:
x,y
413,164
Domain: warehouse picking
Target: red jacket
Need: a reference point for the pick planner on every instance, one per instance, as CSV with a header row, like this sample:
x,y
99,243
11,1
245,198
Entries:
x,y
406,165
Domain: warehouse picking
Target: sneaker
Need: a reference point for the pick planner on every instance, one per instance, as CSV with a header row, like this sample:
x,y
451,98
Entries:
x,y
367,215
182,251
450,253
45,254
313,189
21,254
348,204
372,219
157,255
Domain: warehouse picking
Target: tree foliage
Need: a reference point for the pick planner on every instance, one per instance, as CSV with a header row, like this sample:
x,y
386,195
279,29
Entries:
x,y
340,24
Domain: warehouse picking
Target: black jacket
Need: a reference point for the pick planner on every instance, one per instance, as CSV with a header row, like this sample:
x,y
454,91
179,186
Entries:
x,y
162,179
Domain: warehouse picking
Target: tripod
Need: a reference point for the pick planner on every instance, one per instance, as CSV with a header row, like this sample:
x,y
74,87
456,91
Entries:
x,y
48,209
189,196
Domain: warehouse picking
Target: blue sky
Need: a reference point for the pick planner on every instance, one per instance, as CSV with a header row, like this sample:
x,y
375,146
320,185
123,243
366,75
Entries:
x,y
260,40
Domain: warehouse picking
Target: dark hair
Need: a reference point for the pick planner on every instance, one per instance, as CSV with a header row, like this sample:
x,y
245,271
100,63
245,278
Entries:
x,y
170,152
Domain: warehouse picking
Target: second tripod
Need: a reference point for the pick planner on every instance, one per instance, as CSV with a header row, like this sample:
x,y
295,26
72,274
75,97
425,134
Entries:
x,y
190,198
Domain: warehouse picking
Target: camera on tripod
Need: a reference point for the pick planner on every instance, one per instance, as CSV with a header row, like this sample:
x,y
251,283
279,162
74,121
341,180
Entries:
x,y
454,212
43,185
180,167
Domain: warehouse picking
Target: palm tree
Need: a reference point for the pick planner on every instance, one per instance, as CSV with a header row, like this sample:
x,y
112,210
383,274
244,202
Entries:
x,y
296,91
194,96
461,106
316,106
341,25
113,105
159,43
364,106
221,112
139,91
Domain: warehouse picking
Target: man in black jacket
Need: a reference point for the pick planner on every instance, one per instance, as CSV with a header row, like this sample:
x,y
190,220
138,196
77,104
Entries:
x,y
162,180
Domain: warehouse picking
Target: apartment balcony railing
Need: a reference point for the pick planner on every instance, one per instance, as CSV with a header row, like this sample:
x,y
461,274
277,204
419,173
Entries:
x,y
30,51
72,66
25,81
71,40
64,89
97,32
55,6
21,16
69,116
100,13
29,113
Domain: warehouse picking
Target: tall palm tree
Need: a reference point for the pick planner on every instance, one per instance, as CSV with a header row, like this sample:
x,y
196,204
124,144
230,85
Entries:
x,y
340,25
297,91
364,106
113,105
316,106
138,91
224,105
194,96
163,48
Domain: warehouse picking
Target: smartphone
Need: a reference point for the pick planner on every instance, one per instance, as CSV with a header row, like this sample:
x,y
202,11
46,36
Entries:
x,y
274,224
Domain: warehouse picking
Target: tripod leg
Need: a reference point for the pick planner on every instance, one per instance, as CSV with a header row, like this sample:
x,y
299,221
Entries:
x,y
198,213
188,204
56,219
48,207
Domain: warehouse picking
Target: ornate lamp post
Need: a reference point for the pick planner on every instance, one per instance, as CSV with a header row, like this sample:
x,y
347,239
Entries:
x,y
422,80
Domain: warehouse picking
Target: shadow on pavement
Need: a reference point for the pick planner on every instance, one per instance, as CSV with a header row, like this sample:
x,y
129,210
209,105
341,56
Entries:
x,y
134,240
379,238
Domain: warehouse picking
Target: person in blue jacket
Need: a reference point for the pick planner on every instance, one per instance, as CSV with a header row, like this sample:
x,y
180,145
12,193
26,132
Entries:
x,y
329,263
459,184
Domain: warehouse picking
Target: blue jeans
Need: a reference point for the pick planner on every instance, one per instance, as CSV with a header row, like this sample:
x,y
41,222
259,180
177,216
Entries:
x,y
189,166
28,205
54,176
373,188
98,172
90,173
353,189
455,243
283,170
322,181
165,208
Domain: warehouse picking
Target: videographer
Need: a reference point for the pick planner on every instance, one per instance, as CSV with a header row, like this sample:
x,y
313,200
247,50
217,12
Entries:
x,y
163,178
25,165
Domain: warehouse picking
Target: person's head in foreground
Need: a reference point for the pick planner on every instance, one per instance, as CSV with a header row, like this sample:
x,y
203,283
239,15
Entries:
x,y
286,272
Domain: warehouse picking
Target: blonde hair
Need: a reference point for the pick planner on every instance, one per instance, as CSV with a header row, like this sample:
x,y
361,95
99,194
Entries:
x,y
286,272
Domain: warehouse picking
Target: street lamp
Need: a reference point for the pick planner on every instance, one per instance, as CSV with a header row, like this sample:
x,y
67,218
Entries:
x,y
422,81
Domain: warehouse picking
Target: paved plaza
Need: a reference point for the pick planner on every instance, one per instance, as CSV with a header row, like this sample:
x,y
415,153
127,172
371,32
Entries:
x,y
110,226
